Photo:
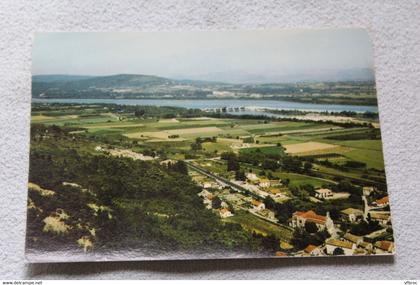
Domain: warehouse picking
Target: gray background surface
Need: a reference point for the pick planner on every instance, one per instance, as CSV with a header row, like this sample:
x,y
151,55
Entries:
x,y
395,30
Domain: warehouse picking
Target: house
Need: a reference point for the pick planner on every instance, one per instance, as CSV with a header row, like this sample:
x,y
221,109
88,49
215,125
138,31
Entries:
x,y
360,251
275,192
225,213
251,176
207,185
368,190
352,214
332,244
376,235
268,214
264,183
167,162
257,205
382,202
384,246
382,217
207,198
300,218
210,184
323,193
204,193
280,254
353,238
313,250
275,182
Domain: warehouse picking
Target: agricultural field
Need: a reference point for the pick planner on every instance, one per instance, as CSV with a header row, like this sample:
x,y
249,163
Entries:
x,y
232,157
298,180
216,157
310,148
315,139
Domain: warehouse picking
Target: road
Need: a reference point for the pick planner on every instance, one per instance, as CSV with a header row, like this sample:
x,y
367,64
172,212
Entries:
x,y
223,181
238,188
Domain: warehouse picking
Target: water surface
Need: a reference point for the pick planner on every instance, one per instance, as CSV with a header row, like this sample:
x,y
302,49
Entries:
x,y
251,106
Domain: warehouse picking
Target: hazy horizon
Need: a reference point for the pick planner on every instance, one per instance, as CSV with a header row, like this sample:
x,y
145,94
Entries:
x,y
259,56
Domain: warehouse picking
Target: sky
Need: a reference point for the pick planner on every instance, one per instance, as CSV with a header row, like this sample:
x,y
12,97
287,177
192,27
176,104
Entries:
x,y
229,56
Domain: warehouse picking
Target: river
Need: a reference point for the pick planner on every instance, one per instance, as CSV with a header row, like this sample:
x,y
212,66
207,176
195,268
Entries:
x,y
249,106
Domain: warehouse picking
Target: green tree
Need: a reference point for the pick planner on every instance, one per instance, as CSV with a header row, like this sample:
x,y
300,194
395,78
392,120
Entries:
x,y
216,203
338,251
270,203
240,175
233,165
307,166
180,166
139,112
196,146
311,227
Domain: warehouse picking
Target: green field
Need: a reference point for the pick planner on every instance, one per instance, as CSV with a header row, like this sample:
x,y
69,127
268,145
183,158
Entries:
x,y
254,224
301,179
176,136
264,149
367,151
221,145
148,158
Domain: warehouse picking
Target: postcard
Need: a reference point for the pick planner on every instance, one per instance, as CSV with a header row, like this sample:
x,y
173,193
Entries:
x,y
205,144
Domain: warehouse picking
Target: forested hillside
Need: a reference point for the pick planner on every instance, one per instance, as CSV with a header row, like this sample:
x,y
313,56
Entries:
x,y
99,201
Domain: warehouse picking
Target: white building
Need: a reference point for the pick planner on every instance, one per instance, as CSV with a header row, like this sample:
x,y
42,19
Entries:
x,y
347,247
225,213
206,185
367,190
264,183
323,193
313,250
251,176
257,205
299,219
352,214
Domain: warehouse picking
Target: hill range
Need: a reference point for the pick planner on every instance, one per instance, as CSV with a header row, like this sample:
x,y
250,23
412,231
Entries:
x,y
139,86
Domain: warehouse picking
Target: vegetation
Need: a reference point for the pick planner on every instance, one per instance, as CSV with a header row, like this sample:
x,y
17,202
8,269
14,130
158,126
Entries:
x,y
112,176
155,87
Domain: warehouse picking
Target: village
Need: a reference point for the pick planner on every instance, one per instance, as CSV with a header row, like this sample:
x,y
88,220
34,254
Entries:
x,y
225,199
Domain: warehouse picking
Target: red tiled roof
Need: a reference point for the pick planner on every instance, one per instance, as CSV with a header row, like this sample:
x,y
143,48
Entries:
x,y
384,244
255,202
383,200
310,248
311,216
280,253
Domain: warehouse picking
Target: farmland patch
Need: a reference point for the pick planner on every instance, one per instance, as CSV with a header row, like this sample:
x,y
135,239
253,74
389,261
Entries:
x,y
308,147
